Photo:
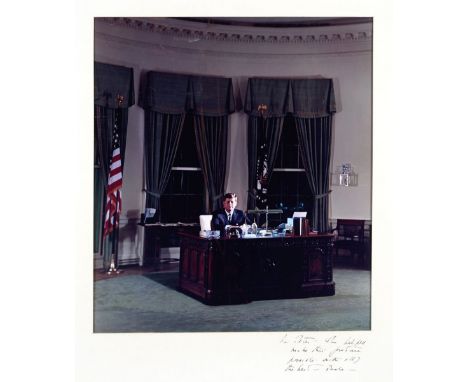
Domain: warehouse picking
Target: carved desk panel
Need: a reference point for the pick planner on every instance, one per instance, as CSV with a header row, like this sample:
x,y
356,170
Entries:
x,y
230,271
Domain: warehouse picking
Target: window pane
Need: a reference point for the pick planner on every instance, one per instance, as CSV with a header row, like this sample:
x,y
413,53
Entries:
x,y
187,152
183,199
181,208
290,191
288,151
185,182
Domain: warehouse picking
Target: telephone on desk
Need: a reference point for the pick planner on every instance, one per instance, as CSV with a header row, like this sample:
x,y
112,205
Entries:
x,y
233,232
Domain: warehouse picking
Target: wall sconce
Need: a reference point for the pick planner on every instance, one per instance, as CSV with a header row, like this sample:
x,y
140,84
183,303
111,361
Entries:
x,y
344,175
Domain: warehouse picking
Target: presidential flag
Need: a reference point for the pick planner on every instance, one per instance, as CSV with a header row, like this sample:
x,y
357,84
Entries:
x,y
114,185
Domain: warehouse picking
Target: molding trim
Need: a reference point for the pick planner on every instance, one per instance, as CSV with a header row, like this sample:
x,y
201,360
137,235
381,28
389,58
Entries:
x,y
214,49
184,31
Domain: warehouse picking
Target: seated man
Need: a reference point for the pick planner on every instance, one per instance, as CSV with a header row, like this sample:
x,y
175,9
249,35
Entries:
x,y
228,215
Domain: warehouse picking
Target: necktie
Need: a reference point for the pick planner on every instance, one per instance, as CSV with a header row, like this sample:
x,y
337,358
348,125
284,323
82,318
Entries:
x,y
229,218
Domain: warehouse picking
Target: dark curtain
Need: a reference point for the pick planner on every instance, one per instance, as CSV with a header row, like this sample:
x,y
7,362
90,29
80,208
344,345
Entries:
x,y
252,139
99,187
314,135
264,136
211,135
113,95
162,134
172,93
171,97
98,203
312,102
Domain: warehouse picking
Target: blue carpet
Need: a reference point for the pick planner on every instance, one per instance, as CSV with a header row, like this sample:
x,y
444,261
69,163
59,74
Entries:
x,y
151,303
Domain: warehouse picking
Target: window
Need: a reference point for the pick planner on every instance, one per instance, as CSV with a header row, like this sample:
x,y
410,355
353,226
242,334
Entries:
x,y
183,199
289,188
99,195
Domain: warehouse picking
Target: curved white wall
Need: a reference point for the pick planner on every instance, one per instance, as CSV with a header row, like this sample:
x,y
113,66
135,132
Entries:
x,y
345,56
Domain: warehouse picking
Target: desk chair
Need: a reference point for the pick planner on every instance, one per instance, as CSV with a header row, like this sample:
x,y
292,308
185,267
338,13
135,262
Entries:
x,y
350,237
205,222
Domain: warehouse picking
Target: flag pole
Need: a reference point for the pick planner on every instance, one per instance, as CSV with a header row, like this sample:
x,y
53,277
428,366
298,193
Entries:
x,y
113,269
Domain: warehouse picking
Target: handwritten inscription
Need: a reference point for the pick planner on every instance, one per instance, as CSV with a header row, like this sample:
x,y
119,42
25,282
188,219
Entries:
x,y
334,354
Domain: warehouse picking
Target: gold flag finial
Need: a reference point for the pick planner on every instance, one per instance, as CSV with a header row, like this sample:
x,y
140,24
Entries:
x,y
262,108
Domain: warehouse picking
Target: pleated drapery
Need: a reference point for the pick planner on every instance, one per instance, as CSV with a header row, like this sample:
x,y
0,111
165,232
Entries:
x,y
173,93
162,134
311,101
211,135
301,97
263,141
169,98
314,135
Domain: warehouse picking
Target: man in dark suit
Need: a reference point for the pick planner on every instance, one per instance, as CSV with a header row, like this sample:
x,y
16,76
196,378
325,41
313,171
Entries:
x,y
228,215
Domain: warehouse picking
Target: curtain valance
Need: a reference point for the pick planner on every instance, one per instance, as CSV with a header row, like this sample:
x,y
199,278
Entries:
x,y
111,83
303,97
178,93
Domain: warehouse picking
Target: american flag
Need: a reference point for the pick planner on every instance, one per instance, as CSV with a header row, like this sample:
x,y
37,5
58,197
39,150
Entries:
x,y
114,185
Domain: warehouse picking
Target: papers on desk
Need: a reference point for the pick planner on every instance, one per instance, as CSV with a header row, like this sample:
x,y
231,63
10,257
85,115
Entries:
x,y
178,224
299,214
249,236
210,234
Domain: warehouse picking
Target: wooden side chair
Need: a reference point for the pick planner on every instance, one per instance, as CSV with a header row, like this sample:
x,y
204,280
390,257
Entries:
x,y
350,238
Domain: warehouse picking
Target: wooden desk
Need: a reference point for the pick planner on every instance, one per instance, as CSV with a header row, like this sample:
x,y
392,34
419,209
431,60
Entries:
x,y
160,235
230,271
